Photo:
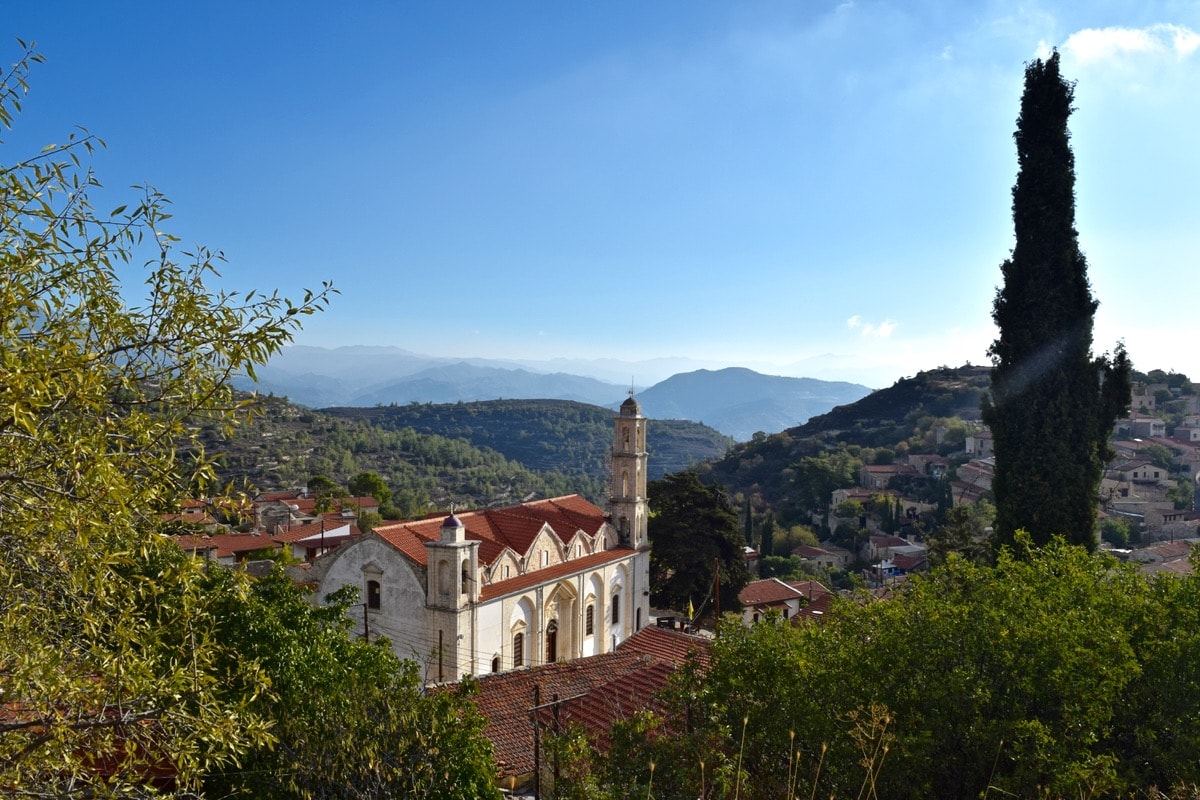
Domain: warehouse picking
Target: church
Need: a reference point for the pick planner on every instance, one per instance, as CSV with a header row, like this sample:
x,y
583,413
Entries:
x,y
500,589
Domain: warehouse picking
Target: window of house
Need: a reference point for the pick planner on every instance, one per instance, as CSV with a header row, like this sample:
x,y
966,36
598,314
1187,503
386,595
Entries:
x,y
518,649
589,620
616,609
374,594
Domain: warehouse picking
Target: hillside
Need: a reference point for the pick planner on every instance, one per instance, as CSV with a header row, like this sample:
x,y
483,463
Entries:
x,y
478,454
740,402
285,445
905,411
547,435
736,401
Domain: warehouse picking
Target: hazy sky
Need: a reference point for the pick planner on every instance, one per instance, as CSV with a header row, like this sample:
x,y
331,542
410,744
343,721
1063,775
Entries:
x,y
808,188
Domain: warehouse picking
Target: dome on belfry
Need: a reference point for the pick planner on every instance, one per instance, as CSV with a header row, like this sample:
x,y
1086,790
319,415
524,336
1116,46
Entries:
x,y
452,521
630,408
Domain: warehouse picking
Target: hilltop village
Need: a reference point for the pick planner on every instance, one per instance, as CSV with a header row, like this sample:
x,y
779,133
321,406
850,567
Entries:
x,y
550,597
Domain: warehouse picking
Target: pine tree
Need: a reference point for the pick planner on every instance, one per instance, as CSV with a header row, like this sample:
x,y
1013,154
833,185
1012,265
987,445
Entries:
x,y
1051,405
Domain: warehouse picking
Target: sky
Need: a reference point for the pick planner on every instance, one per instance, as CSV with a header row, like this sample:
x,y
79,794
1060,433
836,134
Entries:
x,y
807,188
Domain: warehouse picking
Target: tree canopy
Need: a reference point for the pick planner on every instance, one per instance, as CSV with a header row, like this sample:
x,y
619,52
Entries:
x,y
1052,405
693,528
1052,673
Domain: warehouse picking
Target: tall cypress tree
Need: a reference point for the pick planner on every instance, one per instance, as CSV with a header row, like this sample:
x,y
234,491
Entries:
x,y
1051,405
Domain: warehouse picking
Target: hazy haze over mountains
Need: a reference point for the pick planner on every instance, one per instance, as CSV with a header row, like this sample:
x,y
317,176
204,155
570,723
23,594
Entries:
x,y
736,401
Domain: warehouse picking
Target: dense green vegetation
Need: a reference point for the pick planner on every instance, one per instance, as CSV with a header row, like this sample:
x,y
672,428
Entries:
x,y
548,435
128,670
790,474
696,546
1054,673
1052,405
285,445
486,453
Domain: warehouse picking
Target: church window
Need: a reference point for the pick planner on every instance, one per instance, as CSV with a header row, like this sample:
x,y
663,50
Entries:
x,y
624,484
589,620
616,609
552,642
506,570
545,557
466,575
496,664
519,649
374,595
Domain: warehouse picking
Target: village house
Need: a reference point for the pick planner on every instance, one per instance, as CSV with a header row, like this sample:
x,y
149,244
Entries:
x,y
758,598
876,477
501,589
826,555
979,444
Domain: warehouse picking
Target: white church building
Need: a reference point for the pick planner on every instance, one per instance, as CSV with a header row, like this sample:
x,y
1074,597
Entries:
x,y
500,589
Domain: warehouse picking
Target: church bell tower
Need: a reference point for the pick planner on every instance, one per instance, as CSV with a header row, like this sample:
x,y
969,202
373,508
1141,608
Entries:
x,y
627,495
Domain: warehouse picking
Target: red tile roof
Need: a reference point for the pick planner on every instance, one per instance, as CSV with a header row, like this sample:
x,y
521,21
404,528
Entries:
x,y
766,592
594,692
816,610
533,577
226,544
338,529
498,528
810,589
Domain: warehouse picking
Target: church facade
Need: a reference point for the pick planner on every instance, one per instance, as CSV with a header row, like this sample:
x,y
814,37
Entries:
x,y
500,589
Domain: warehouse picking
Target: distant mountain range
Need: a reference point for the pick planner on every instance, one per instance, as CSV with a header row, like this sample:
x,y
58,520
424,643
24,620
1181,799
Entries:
x,y
735,401
740,402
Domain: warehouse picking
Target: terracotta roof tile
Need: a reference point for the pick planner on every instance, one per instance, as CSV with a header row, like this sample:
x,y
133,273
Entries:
x,y
514,526
594,692
520,583
767,591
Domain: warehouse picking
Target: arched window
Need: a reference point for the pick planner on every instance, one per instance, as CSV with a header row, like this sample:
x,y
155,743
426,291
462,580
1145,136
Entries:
x,y
495,663
466,574
616,609
589,620
624,483
519,649
552,642
374,595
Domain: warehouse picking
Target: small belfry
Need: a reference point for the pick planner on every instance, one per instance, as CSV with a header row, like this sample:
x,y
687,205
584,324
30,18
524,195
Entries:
x,y
627,495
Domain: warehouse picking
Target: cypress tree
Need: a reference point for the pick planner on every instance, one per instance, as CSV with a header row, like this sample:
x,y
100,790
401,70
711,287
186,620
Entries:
x,y
1051,405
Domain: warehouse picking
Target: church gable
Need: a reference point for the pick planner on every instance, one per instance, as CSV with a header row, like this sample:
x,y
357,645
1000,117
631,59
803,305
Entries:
x,y
546,550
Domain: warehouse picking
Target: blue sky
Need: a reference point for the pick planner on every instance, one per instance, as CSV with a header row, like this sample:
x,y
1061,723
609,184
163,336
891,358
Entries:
x,y
807,188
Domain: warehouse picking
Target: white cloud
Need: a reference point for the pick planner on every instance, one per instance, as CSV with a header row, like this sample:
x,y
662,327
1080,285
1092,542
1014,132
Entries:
x,y
870,330
1092,45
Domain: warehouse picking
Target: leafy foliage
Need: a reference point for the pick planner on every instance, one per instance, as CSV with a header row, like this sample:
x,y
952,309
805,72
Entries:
x,y
1052,673
693,529
107,658
350,719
